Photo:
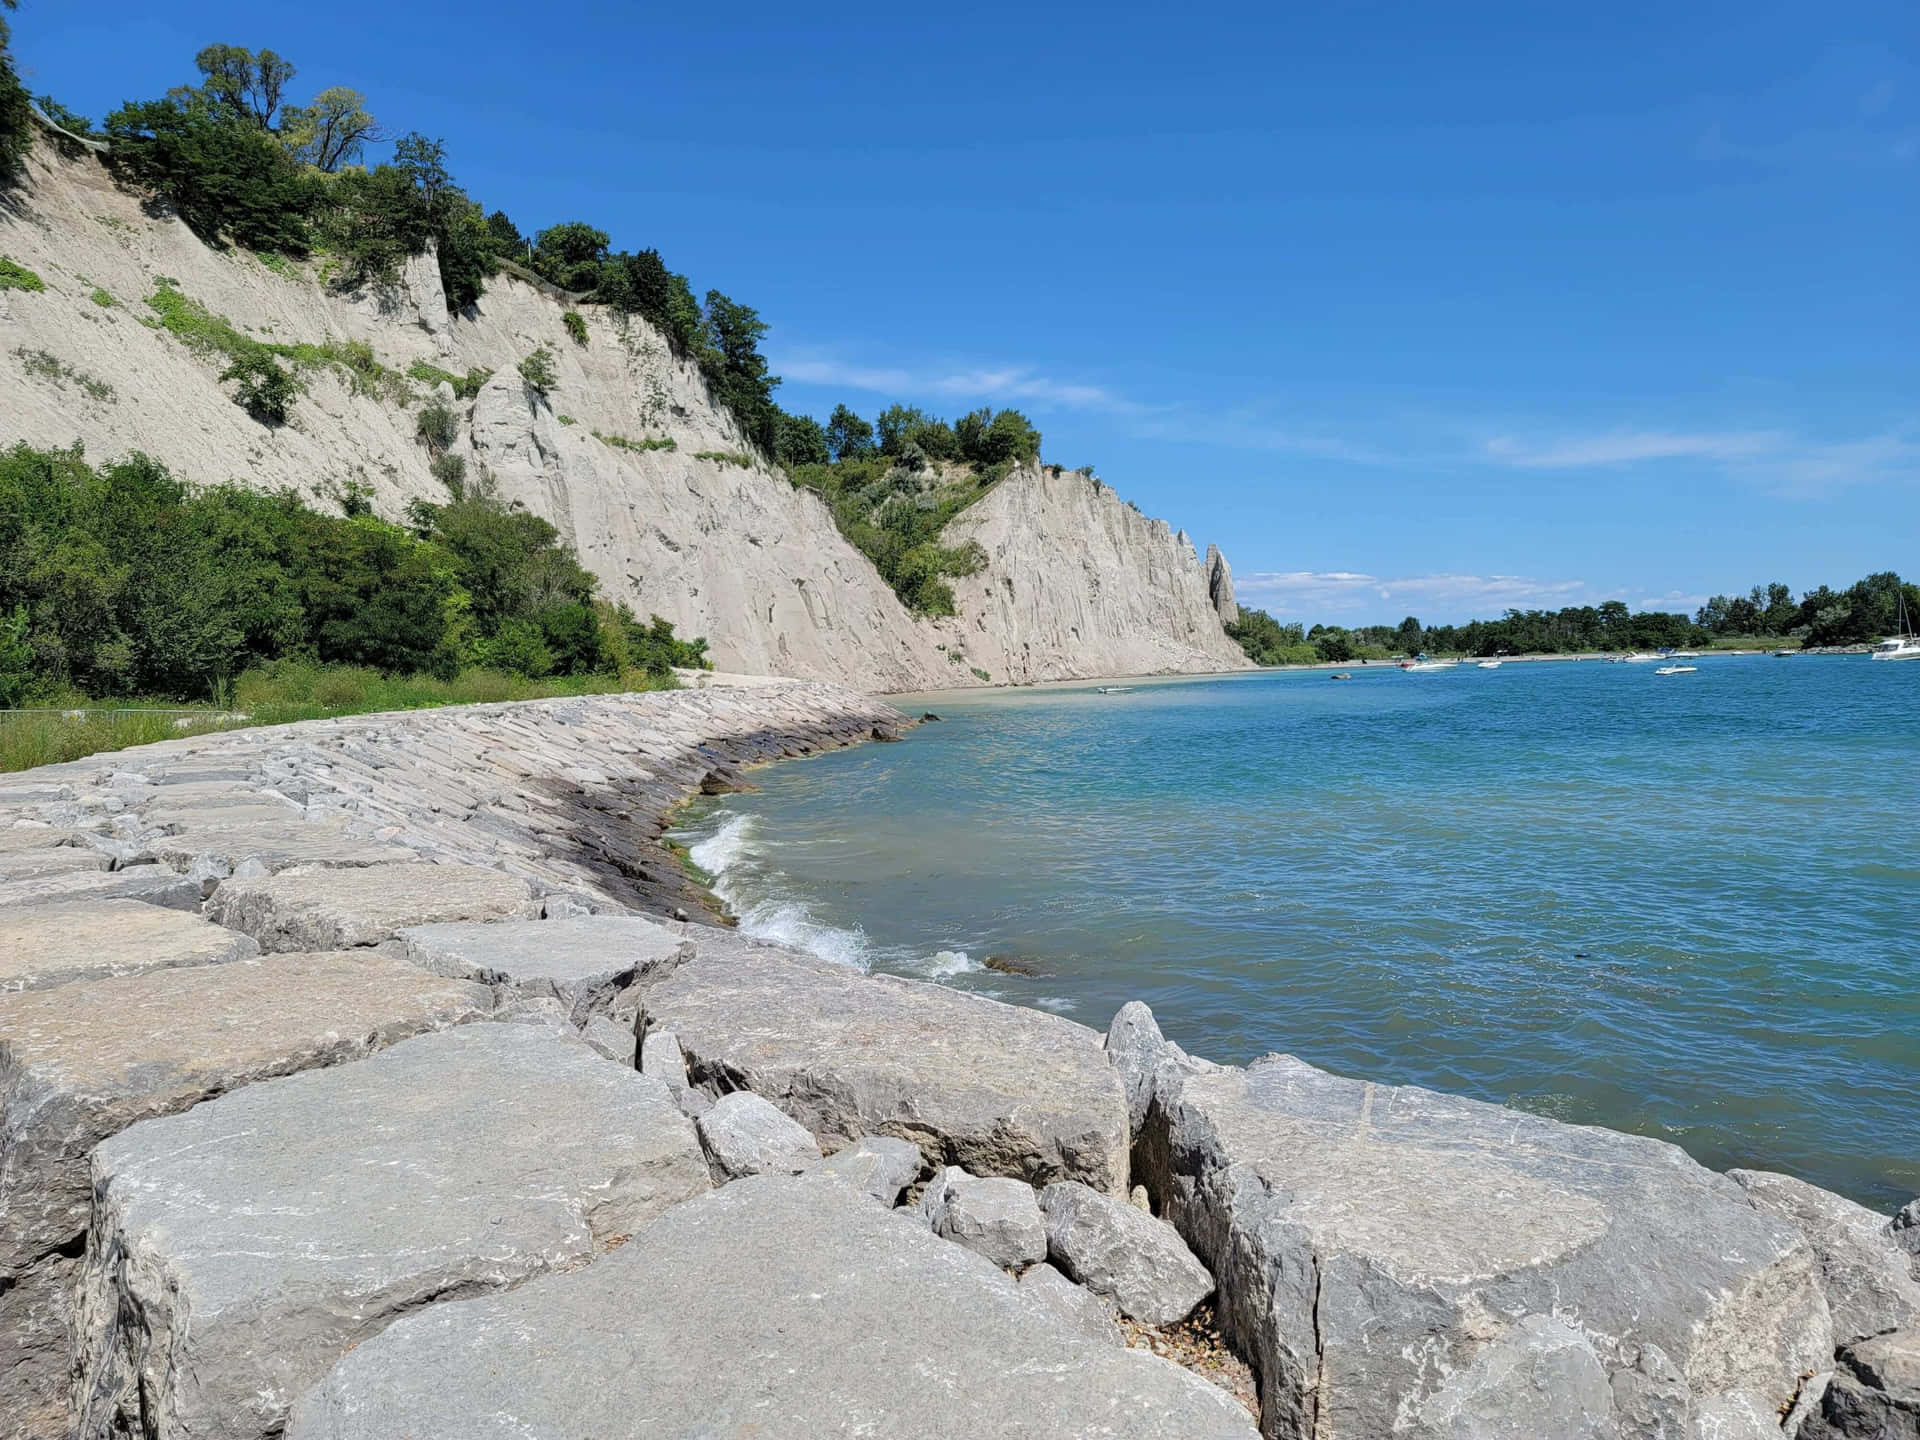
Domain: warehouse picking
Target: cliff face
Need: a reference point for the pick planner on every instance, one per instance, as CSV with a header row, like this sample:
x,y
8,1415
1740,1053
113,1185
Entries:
x,y
733,552
1079,584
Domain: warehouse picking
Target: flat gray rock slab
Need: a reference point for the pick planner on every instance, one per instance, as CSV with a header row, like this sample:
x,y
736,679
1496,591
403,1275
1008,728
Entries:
x,y
81,1062
746,1135
782,1308
997,1217
329,909
583,961
153,884
21,839
992,1088
181,819
241,1248
1866,1276
274,846
65,860
1123,1253
57,944
1375,1248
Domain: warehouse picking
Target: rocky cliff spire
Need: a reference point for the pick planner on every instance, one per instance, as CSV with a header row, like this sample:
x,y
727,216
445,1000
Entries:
x,y
1220,586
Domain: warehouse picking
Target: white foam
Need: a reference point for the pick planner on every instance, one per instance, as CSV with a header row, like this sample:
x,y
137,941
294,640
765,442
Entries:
x,y
755,894
944,963
725,848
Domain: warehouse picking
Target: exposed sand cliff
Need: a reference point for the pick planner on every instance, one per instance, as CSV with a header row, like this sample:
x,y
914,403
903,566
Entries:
x,y
1077,582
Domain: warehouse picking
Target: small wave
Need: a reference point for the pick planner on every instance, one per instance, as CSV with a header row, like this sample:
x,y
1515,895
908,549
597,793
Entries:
x,y
725,848
944,963
753,893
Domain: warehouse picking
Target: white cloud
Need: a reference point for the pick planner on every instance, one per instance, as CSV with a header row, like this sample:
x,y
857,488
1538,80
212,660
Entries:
x,y
1625,447
1004,384
1356,596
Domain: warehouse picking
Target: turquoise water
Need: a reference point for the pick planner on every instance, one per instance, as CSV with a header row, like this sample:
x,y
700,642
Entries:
x,y
1687,906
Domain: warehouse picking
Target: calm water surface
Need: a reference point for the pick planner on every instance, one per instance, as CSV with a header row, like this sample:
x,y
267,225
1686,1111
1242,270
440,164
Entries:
x,y
1687,906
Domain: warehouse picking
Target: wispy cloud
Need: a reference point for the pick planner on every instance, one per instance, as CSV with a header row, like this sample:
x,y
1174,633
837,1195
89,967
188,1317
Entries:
x,y
1628,447
1003,383
1779,462
1350,594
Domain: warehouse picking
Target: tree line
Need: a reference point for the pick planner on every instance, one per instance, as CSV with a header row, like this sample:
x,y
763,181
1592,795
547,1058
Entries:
x,y
1861,614
120,580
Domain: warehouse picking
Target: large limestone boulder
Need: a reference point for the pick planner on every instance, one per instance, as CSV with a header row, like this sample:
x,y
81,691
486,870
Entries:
x,y
995,1217
787,1308
583,961
1874,1393
319,908
1398,1261
994,1089
153,884
746,1135
49,945
878,1166
1116,1250
1865,1275
81,1062
239,1249
270,847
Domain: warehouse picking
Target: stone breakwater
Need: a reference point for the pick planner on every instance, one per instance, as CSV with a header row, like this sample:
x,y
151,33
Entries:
x,y
345,1095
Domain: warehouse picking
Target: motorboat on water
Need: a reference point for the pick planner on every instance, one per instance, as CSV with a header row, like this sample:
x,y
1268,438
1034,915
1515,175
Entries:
x,y
1421,662
1903,646
1677,670
1683,654
1488,665
1111,689
1340,675
1642,657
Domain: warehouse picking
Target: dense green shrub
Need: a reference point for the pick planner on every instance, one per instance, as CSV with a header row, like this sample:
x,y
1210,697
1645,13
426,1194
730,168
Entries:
x,y
16,118
15,276
576,326
119,580
450,471
1268,642
537,370
266,390
437,427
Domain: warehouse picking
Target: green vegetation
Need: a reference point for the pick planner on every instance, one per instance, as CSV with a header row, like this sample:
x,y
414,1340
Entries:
x,y
16,118
51,367
1767,617
725,457
576,327
277,694
640,446
892,487
566,420
437,427
537,370
465,387
119,580
101,298
14,276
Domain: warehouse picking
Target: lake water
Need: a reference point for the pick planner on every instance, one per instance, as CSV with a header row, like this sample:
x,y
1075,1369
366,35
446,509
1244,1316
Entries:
x,y
1686,906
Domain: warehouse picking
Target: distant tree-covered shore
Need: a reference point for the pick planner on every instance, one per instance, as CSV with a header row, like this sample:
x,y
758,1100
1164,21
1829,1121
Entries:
x,y
1768,614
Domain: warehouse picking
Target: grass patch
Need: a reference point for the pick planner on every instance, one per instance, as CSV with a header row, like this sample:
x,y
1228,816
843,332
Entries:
x,y
725,457
576,327
566,420
465,387
51,367
101,298
640,446
982,676
277,695
14,276
208,334
274,261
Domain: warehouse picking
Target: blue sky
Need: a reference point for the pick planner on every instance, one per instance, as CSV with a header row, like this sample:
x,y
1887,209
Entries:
x,y
1409,307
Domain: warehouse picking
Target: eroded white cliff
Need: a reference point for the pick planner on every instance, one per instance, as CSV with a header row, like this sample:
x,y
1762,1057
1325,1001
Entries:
x,y
1077,583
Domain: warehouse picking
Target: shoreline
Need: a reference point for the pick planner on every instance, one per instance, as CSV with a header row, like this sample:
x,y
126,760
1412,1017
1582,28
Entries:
x,y
434,884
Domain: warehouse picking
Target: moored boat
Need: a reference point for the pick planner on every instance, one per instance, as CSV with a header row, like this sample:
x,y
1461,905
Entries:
x,y
1903,646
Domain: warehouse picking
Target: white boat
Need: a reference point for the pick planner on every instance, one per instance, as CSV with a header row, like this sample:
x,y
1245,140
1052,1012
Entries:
x,y
1421,662
1683,655
1905,645
1489,665
1642,657
1677,670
